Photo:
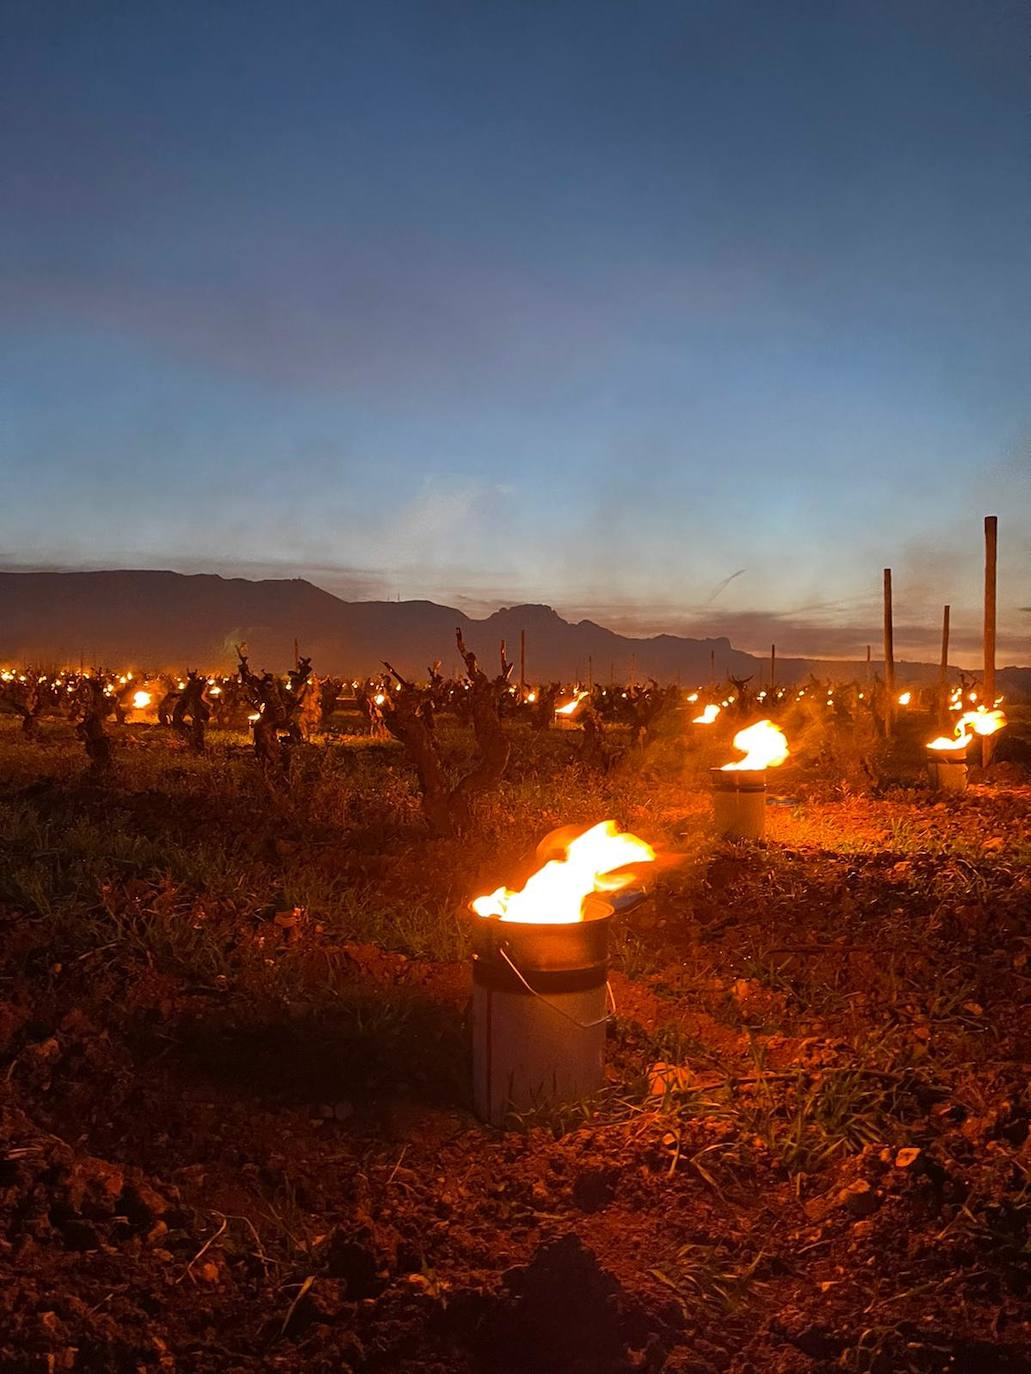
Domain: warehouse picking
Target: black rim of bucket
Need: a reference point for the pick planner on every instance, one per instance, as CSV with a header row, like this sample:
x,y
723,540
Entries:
x,y
541,948
738,779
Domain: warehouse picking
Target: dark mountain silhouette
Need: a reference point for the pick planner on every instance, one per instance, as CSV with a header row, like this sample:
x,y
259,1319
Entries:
x,y
162,620
168,620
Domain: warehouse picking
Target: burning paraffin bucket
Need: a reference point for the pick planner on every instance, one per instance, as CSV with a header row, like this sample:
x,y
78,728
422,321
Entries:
x,y
739,789
540,968
739,802
947,769
947,757
566,717
540,1008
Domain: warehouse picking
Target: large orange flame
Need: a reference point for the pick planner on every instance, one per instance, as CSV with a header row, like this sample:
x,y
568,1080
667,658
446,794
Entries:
x,y
570,706
597,860
971,723
982,721
140,700
763,745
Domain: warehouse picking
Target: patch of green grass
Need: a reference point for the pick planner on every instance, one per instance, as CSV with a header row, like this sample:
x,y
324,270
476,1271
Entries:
x,y
704,1276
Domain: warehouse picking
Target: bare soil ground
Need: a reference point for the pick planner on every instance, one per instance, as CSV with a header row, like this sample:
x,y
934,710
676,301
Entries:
x,y
235,1130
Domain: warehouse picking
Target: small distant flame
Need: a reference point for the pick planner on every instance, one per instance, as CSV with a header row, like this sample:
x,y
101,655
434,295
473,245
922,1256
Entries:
x,y
531,697
905,698
570,706
597,860
763,745
709,714
380,698
214,691
140,700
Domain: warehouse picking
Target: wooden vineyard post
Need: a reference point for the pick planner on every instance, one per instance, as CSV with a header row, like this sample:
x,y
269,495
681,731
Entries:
x,y
773,667
991,543
522,658
889,656
943,675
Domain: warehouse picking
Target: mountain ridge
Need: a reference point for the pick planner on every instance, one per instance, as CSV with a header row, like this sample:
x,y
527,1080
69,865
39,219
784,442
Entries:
x,y
161,619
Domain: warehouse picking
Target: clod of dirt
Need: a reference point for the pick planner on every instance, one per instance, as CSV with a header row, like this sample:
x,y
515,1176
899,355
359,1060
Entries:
x,y
91,1187
907,1157
859,1198
143,1203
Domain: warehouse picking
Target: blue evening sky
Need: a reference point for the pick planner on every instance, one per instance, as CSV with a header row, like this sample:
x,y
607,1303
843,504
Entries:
x,y
589,303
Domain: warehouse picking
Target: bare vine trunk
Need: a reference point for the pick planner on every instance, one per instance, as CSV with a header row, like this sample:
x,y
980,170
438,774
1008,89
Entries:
x,y
447,806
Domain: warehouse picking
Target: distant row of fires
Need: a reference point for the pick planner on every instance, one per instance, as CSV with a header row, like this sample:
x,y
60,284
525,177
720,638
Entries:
x,y
304,703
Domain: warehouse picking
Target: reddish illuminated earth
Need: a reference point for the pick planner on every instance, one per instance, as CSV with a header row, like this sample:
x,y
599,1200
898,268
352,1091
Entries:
x,y
234,1124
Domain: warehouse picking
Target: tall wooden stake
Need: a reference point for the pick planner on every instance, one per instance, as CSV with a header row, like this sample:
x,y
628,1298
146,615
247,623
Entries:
x,y
889,656
991,548
522,658
773,667
297,655
868,663
943,673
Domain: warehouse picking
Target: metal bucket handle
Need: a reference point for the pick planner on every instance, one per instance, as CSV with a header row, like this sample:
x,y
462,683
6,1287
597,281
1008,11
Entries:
x,y
583,1025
